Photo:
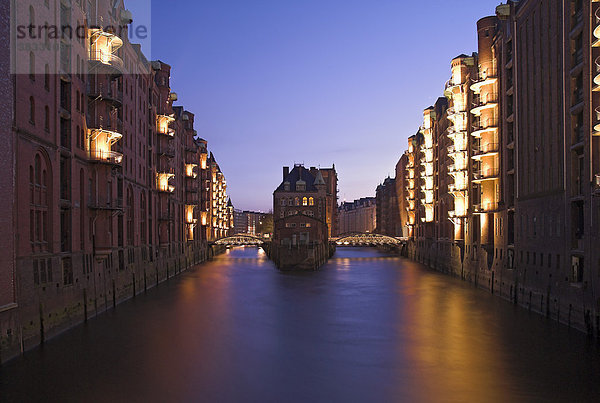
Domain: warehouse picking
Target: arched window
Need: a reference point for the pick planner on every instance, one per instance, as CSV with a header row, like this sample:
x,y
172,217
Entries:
x,y
82,138
47,118
47,77
143,217
311,201
130,225
296,201
78,137
305,201
32,66
283,201
32,110
38,210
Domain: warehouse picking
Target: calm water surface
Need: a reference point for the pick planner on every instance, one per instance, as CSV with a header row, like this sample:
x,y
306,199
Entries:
x,y
366,328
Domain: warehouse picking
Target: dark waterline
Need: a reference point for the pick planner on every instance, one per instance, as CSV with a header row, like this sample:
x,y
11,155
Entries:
x,y
367,327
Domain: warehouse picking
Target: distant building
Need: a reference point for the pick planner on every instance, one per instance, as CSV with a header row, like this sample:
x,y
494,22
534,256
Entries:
x,y
251,222
240,221
388,216
358,216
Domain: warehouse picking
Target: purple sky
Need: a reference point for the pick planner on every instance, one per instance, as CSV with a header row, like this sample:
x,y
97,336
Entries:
x,y
273,82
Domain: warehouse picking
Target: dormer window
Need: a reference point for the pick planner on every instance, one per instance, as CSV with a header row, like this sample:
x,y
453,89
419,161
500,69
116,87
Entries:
x,y
300,186
286,186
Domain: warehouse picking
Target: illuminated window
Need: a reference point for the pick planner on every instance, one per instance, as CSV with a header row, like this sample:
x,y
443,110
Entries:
x,y
311,201
305,201
297,201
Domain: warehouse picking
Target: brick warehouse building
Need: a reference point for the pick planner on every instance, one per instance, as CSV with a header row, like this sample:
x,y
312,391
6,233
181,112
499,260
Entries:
x,y
302,218
503,177
358,216
108,189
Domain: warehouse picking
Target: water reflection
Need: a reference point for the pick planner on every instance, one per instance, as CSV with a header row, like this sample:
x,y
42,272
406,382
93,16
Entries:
x,y
367,327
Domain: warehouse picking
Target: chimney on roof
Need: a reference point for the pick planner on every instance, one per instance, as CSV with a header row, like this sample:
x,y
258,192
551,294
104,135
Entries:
x,y
286,172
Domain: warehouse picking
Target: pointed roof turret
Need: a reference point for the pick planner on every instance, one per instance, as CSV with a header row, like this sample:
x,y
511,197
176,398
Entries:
x,y
319,179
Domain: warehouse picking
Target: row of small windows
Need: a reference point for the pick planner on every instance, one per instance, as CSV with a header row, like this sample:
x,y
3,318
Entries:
x,y
306,201
302,225
294,212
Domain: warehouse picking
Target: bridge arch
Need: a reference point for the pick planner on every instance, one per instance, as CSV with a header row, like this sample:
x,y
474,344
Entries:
x,y
240,240
366,239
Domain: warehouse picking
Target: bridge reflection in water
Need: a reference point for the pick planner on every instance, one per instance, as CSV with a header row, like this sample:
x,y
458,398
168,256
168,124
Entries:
x,y
367,327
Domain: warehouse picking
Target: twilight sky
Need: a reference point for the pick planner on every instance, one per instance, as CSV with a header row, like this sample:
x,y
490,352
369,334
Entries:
x,y
274,82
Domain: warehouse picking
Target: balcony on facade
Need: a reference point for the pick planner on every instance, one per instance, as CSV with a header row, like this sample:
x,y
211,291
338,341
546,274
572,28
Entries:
x,y
166,150
457,214
189,214
106,203
486,77
482,102
485,150
457,168
103,45
481,126
190,171
103,91
163,123
450,86
485,174
596,28
455,188
100,144
456,152
487,207
596,131
162,182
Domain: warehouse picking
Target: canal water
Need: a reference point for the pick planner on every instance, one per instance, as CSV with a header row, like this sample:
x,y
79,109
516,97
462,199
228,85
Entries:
x,y
368,327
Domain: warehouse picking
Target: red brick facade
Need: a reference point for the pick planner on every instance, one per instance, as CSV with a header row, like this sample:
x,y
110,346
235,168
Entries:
x,y
112,189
